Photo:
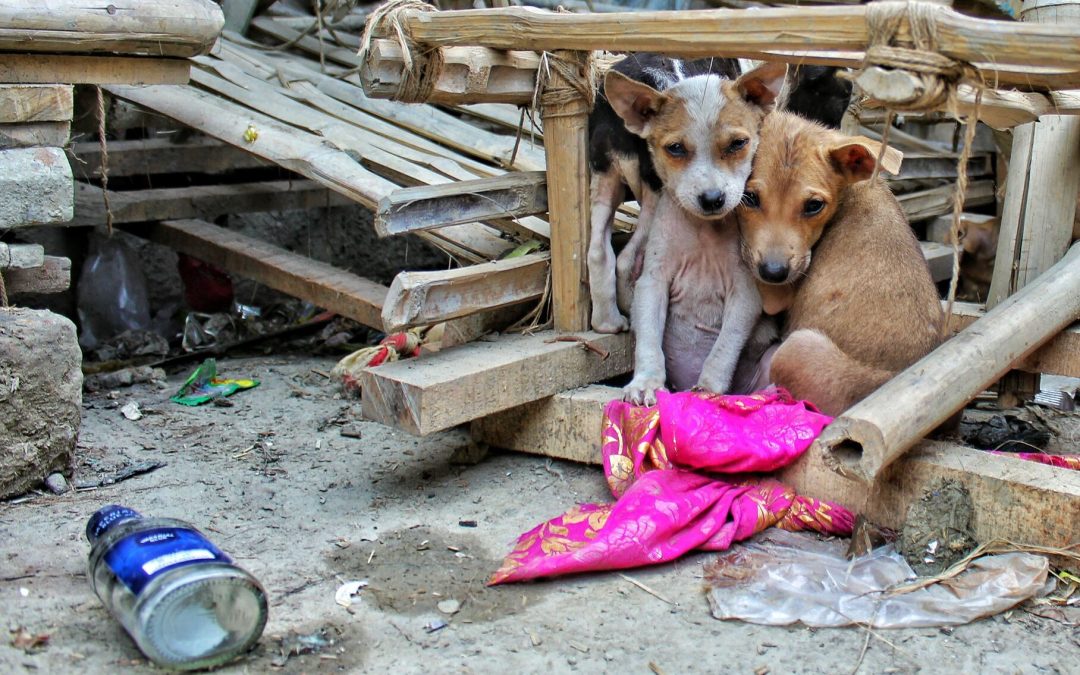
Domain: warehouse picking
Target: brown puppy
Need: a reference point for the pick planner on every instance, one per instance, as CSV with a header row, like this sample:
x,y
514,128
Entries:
x,y
836,251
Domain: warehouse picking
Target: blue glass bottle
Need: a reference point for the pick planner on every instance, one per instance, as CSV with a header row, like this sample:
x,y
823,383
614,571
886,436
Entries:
x,y
179,597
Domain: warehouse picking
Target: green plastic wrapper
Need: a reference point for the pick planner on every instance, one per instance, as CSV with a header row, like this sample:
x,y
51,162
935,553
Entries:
x,y
204,385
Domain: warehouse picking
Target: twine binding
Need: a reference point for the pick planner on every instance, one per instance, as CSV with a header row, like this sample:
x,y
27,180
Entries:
x,y
423,65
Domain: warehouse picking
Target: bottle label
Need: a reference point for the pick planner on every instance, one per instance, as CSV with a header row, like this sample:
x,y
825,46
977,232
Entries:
x,y
138,557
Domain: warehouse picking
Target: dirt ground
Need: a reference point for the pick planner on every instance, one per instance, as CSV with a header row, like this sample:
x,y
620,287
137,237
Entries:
x,y
280,481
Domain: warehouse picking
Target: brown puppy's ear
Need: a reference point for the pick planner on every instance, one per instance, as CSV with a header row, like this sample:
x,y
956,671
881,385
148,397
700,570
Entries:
x,y
854,158
762,85
635,102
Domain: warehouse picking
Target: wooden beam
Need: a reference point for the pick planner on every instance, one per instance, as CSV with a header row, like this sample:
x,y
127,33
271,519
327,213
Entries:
x,y
937,201
1021,501
918,166
464,383
566,126
178,28
939,259
317,282
48,68
238,14
200,201
154,156
877,430
52,277
425,298
35,103
724,32
939,229
429,207
35,135
1060,356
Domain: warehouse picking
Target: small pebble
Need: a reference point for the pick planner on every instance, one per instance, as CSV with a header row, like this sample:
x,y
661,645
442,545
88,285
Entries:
x,y
450,606
57,484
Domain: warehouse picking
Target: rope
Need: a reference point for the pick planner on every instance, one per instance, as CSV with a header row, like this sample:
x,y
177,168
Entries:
x,y
958,207
104,159
3,292
577,81
423,65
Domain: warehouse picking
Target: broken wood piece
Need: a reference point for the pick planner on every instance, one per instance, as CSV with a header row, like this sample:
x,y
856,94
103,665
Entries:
x,y
178,28
921,166
35,135
936,201
200,201
428,207
317,282
1021,501
35,103
154,156
134,70
54,276
873,433
939,258
470,381
939,228
425,298
36,185
467,75
21,256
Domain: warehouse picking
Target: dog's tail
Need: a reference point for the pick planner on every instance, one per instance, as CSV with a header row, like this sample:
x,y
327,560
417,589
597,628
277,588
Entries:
x,y
810,366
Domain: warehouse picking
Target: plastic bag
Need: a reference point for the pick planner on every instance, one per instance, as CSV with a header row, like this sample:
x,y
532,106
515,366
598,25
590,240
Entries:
x,y
782,578
112,293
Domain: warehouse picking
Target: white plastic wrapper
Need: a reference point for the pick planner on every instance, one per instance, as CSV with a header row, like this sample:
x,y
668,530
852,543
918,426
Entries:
x,y
782,578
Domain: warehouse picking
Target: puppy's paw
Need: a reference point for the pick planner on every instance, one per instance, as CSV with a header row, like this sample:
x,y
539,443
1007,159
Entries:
x,y
610,321
642,389
715,385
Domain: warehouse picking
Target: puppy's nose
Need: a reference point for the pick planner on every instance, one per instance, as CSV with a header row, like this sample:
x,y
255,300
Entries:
x,y
773,272
711,201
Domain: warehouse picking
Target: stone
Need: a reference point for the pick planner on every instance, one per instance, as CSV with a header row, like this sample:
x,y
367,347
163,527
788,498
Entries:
x,y
40,397
56,483
37,186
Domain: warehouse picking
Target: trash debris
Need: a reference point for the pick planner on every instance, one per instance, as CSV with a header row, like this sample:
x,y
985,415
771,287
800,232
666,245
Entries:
x,y
1009,432
112,292
131,411
122,378
295,644
204,385
466,523
449,606
207,288
129,471
391,348
351,431
783,577
210,610
56,483
349,590
29,642
131,344
1059,400
435,625
937,530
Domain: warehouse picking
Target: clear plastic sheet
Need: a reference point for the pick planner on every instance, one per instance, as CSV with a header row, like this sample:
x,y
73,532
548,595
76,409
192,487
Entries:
x,y
112,294
782,578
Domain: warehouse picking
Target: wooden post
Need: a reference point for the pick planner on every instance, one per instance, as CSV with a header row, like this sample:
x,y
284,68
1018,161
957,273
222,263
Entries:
x,y
566,127
1040,201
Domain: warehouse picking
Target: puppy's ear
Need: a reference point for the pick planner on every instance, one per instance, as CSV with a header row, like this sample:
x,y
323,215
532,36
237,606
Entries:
x,y
762,85
635,102
854,158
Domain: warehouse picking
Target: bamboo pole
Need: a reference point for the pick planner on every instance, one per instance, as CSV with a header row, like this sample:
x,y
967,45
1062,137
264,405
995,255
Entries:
x,y
723,32
145,27
873,433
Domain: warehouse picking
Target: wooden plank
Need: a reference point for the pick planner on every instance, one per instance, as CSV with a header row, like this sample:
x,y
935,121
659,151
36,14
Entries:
x,y
200,201
35,135
922,167
1060,356
566,124
464,383
936,201
425,298
1021,501
722,32
35,187
429,207
35,103
154,156
52,277
178,28
939,259
238,14
48,68
317,282
21,256
939,229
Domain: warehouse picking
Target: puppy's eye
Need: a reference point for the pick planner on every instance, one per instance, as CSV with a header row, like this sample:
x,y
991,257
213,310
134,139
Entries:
x,y
750,200
736,145
676,149
812,207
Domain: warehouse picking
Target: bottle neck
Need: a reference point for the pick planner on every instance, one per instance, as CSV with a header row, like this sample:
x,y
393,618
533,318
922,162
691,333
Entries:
x,y
107,517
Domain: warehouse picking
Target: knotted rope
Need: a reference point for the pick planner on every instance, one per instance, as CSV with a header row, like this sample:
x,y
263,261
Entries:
x,y
936,78
577,81
423,64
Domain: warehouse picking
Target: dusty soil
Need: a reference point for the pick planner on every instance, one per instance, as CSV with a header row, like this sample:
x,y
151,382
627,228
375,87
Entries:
x,y
305,508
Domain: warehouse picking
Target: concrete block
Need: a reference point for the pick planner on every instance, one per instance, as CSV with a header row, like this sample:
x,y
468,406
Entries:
x,y
40,397
36,187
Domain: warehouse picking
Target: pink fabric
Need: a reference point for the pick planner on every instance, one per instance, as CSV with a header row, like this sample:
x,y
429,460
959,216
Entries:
x,y
657,461
1060,461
